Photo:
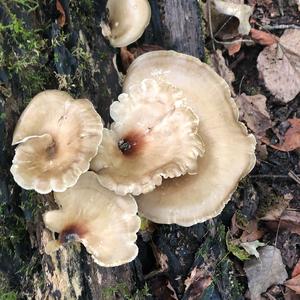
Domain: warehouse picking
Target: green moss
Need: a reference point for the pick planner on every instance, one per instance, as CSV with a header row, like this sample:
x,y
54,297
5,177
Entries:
x,y
8,296
241,219
270,201
234,248
122,290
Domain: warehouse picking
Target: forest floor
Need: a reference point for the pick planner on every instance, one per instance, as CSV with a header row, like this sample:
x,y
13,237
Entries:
x,y
44,46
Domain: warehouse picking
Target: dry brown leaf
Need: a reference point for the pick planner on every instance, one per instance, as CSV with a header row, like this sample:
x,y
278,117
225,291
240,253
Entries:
x,y
251,233
291,137
128,55
126,58
233,48
219,65
294,284
161,288
289,220
62,15
296,270
279,66
254,112
263,38
196,283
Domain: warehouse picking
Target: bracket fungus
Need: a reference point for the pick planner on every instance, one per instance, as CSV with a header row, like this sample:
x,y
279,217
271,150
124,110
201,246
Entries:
x,y
56,138
154,136
105,223
126,21
229,149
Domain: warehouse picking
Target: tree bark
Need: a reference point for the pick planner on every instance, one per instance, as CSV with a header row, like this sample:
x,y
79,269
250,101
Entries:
x,y
71,273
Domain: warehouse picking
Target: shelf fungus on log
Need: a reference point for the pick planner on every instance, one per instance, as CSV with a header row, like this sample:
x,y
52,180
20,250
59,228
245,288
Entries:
x,y
126,21
104,222
154,136
56,138
229,149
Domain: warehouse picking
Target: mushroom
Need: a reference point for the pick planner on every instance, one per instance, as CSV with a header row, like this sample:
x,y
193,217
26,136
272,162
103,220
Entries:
x,y
154,135
127,20
57,137
105,223
229,149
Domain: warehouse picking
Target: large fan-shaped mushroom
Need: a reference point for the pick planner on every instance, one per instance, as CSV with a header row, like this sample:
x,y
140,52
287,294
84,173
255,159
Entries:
x,y
57,137
105,223
229,149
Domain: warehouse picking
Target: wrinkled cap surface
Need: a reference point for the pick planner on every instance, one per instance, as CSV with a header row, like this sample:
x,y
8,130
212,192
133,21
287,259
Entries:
x,y
127,20
105,223
229,149
154,136
57,137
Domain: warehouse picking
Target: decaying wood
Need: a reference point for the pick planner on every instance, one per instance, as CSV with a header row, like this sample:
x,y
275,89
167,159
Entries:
x,y
71,273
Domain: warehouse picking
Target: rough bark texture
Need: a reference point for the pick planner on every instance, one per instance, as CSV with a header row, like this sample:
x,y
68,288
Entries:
x,y
71,273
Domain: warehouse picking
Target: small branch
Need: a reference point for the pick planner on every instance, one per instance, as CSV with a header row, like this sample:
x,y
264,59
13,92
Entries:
x,y
210,25
281,26
294,176
271,176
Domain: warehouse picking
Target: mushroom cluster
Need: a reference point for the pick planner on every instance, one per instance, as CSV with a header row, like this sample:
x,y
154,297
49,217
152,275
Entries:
x,y
175,144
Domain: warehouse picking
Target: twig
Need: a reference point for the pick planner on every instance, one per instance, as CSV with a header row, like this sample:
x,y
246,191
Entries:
x,y
294,176
240,85
271,176
280,26
234,41
210,25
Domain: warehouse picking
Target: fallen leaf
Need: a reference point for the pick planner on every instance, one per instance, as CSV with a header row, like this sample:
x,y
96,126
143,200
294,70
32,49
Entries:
x,y
234,246
233,48
219,65
160,257
196,283
289,220
265,271
279,66
62,15
251,247
263,38
291,137
128,55
294,284
296,270
126,58
254,112
240,11
251,232
162,289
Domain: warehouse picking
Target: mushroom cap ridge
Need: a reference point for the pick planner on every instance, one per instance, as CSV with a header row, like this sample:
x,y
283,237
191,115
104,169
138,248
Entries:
x,y
229,149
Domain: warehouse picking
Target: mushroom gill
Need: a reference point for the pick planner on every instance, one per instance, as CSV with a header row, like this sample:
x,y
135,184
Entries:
x,y
229,149
105,223
57,137
154,136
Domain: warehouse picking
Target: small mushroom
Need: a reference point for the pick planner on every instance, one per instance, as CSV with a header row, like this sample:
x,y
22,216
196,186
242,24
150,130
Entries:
x,y
57,137
154,135
105,223
127,20
229,149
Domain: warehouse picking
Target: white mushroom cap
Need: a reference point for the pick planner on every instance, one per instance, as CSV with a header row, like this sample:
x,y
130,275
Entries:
x,y
127,21
154,135
229,149
57,136
105,223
